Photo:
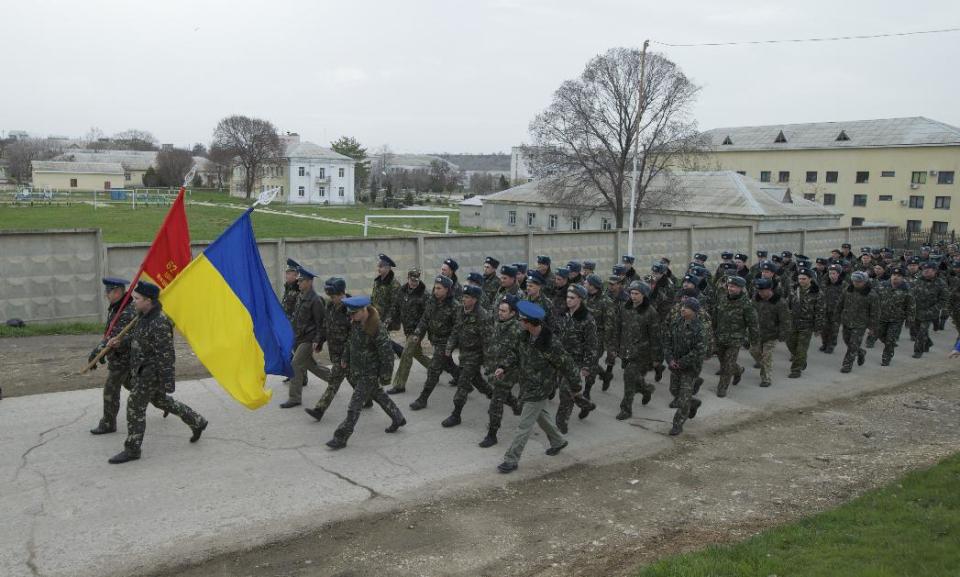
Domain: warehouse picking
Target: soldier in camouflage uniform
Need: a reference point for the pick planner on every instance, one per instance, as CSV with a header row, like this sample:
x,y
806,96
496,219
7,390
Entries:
x,y
408,308
385,288
309,333
676,316
735,321
806,313
368,360
470,333
504,334
559,299
773,321
576,274
602,310
508,285
436,323
540,363
663,291
955,295
896,307
536,285
543,267
152,373
449,269
930,294
291,290
338,331
638,345
578,332
618,296
118,358
684,348
491,282
832,288
629,272
858,313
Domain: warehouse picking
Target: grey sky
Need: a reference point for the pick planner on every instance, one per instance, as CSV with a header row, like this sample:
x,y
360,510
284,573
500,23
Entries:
x,y
454,75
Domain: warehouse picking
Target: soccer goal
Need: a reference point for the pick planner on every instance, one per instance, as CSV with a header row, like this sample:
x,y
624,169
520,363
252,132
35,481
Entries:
x,y
368,218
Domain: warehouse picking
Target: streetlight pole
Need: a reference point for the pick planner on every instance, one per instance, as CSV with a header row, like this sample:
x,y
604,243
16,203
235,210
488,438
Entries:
x,y
636,138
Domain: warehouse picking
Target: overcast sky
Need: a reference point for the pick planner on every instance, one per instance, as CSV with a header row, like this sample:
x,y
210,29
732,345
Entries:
x,y
451,75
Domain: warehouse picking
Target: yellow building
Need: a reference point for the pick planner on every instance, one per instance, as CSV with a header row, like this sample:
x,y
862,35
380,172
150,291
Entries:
x,y
76,176
900,171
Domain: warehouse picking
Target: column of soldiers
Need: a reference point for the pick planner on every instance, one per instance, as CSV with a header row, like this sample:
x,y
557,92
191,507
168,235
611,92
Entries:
x,y
528,335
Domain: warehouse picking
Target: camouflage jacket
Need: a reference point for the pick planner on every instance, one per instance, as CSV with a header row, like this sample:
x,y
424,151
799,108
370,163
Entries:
x,y
773,318
408,307
559,300
578,333
490,286
470,332
896,303
540,364
152,356
383,294
686,344
118,358
735,320
437,322
291,292
833,294
638,334
503,291
706,319
549,285
338,329
368,353
955,302
806,308
503,336
309,319
929,296
604,314
662,297
859,308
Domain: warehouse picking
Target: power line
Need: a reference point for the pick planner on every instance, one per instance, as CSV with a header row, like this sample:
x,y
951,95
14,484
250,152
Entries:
x,y
798,40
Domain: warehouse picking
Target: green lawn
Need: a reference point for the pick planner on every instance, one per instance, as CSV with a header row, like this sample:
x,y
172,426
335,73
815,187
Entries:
x,y
908,529
34,329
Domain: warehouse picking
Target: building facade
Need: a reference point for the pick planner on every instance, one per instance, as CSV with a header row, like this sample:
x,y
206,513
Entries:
x,y
76,176
899,171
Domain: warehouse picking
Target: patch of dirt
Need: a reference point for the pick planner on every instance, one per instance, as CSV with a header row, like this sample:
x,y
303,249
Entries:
x,y
607,520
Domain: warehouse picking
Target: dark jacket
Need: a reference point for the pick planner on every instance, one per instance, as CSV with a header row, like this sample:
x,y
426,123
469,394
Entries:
x,y
408,307
152,356
540,364
309,319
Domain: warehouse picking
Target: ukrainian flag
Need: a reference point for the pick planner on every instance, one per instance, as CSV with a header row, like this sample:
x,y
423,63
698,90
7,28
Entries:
x,y
223,304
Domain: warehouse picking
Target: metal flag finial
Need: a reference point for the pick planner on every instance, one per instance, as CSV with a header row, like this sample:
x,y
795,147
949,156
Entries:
x,y
267,196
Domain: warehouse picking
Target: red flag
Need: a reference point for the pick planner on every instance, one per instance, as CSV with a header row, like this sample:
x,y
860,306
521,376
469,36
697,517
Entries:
x,y
170,251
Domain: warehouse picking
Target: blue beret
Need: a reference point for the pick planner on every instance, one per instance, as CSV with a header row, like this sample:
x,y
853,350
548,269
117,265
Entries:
x,y
579,289
929,264
452,264
659,267
641,286
763,283
590,264
866,249
293,265
692,303
443,280
619,269
692,279
473,291
530,311
304,273
786,254
595,280
859,276
770,266
628,259
491,261
535,277
902,272
508,270
574,266
821,260
474,276
113,282
776,258
741,256
521,267
805,272
728,266
801,257
149,290
543,259
386,260
563,272
700,256
738,281
761,254
511,300
727,255
356,303
335,285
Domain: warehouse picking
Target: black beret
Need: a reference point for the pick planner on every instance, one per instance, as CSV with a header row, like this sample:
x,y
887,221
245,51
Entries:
x,y
473,291
149,290
492,262
112,282
443,280
543,259
726,255
508,270
386,260
763,283
452,264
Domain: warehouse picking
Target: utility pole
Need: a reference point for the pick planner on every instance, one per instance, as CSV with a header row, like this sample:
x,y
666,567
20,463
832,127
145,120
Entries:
x,y
636,138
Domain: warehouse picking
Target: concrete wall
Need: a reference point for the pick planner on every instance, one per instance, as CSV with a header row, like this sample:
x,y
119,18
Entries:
x,y
55,275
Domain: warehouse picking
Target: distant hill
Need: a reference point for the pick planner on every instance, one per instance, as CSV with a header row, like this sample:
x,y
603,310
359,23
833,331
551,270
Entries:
x,y
490,162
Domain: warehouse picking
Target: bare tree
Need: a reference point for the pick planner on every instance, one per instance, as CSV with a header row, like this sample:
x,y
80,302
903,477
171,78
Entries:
x,y
252,142
21,153
134,139
222,160
173,165
584,142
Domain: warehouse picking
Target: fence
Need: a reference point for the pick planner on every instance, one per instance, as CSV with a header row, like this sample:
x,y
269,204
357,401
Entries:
x,y
55,275
907,239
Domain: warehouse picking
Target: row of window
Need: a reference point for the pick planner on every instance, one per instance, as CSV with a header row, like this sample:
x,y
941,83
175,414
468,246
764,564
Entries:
x,y
302,171
862,177
301,191
553,221
912,225
915,201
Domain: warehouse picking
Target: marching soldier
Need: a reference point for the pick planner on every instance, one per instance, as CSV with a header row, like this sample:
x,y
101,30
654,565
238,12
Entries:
x,y
543,267
309,334
773,321
470,333
684,349
578,332
521,275
508,284
735,322
491,283
833,288
602,309
858,313
385,287
930,294
338,331
152,372
118,359
629,273
536,285
575,276
291,291
589,267
806,313
638,345
449,269
506,330
368,360
896,307
561,280
437,324
408,308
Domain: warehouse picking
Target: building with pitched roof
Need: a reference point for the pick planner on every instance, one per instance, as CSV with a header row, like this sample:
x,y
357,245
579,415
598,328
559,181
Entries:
x,y
900,171
76,176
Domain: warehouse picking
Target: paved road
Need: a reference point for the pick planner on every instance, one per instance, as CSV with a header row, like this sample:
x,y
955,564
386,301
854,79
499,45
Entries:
x,y
258,476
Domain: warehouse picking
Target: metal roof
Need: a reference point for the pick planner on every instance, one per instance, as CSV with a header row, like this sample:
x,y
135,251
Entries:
x,y
718,192
885,132
77,167
129,159
311,150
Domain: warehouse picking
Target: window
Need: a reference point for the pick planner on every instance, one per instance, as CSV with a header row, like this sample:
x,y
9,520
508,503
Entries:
x,y
856,221
553,222
945,177
742,172
302,171
340,192
809,196
783,176
322,173
829,199
859,200
300,191
831,176
842,136
764,176
512,218
323,191
887,173
939,227
666,225
126,176
913,225
885,197
531,218
811,176
574,223
605,224
916,202
726,141
780,139
941,202
863,177
918,177
340,172
73,183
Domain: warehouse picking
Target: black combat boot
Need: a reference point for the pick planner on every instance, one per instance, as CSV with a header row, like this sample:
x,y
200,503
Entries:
x,y
337,443
454,419
103,429
395,425
123,457
316,412
198,430
491,438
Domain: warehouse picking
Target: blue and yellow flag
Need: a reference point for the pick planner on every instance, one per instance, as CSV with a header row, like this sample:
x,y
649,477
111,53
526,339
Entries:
x,y
223,304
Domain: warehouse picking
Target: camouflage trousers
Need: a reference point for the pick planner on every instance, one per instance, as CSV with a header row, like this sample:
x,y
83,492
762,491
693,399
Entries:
x,y
830,331
439,363
681,387
145,392
470,378
762,353
303,362
117,378
922,341
798,343
889,335
335,375
366,388
568,398
410,352
853,337
727,355
534,413
502,395
633,382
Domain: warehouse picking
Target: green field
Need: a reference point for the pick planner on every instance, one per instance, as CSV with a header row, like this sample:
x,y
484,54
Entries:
x,y
121,223
41,329
910,528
